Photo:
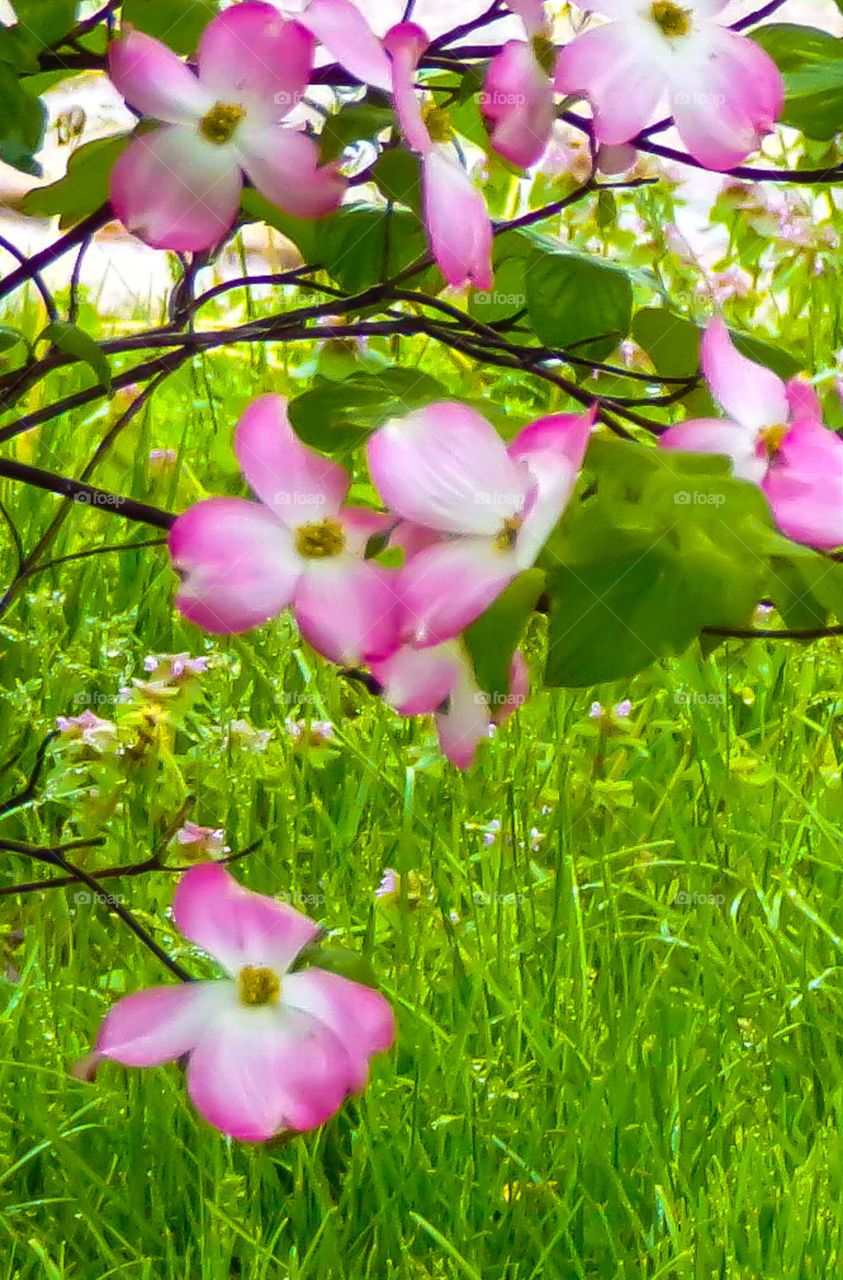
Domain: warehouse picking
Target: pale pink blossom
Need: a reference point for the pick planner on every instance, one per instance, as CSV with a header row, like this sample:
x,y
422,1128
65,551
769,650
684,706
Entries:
x,y
775,437
445,468
268,1050
178,186
201,842
242,562
517,104
723,91
89,730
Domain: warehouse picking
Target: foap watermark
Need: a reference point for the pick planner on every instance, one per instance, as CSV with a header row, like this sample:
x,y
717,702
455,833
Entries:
x,y
483,899
497,299
497,99
85,699
698,498
684,898
690,698
87,897
295,898
498,700
96,498
699,99
286,498
287,99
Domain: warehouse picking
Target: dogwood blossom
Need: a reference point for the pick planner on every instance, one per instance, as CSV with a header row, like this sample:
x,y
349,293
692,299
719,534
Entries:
x,y
724,92
267,1049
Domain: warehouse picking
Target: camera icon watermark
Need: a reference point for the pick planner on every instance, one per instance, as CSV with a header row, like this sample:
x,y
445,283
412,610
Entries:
x,y
698,498
87,897
683,898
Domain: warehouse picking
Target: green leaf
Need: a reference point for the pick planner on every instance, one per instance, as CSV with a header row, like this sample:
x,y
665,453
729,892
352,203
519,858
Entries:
x,y
397,174
78,344
578,301
84,187
340,415
46,20
355,122
22,120
811,63
362,245
673,344
179,23
493,638
9,337
303,232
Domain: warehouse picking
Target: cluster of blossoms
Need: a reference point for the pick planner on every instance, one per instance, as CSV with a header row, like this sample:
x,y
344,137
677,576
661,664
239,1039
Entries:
x,y
236,114
468,513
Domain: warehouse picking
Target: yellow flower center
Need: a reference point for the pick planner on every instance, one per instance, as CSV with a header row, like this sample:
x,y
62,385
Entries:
x,y
257,986
438,124
671,18
506,539
219,124
321,540
772,438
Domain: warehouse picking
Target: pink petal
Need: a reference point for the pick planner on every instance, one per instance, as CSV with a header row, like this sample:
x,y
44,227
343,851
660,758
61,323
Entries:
x,y
446,587
802,400
236,926
457,222
260,1071
718,435
417,681
160,1024
413,538
804,486
752,395
251,56
726,99
531,13
284,166
347,36
174,190
347,608
405,44
155,81
466,722
300,485
237,564
360,1018
445,467
621,75
552,450
518,105
519,688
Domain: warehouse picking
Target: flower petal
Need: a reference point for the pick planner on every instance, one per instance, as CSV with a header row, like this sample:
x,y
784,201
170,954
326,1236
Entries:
x,y
362,523
360,1018
284,166
618,67
518,105
804,485
519,688
405,44
803,401
552,450
752,395
417,681
725,98
447,468
160,1024
449,585
237,564
719,435
173,190
457,222
531,13
347,608
236,926
251,56
155,81
347,36
260,1071
466,722
297,483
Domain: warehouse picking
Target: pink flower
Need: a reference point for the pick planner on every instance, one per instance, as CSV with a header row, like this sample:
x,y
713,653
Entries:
x,y
775,438
242,562
316,733
201,842
725,92
490,508
343,30
517,99
268,1050
178,186
89,730
441,680
455,214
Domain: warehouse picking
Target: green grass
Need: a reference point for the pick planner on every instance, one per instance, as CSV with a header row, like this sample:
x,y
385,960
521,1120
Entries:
x,y
597,1073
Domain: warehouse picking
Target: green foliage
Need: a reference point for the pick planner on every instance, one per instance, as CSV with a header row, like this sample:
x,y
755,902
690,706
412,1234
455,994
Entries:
x,y
340,415
22,120
179,23
363,245
84,187
493,638
811,62
578,302
46,21
73,341
355,122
